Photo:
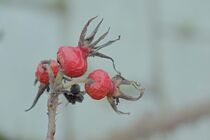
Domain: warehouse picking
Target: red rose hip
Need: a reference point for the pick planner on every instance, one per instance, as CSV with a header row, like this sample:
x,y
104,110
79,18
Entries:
x,y
104,86
73,60
101,84
43,78
41,71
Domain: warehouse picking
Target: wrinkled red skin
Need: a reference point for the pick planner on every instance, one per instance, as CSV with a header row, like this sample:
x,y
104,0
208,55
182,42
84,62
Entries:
x,y
101,86
73,60
42,74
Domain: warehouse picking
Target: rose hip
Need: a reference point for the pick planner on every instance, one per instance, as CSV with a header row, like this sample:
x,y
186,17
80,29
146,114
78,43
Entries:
x,y
104,86
73,60
101,84
41,71
43,78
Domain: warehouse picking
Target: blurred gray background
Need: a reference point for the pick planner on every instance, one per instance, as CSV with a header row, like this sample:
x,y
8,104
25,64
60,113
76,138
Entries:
x,y
164,45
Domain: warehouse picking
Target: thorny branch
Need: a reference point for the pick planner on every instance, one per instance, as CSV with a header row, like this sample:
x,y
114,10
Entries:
x,y
56,88
52,106
52,102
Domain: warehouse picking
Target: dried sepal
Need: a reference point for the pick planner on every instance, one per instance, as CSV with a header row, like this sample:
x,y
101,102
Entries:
x,y
92,47
42,88
84,31
113,104
101,55
90,38
113,98
119,80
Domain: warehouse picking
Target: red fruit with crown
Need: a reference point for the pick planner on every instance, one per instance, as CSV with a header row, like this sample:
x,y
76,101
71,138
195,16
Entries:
x,y
101,85
73,60
41,71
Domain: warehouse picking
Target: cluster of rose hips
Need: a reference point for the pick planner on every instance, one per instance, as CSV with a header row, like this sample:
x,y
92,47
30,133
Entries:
x,y
72,63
